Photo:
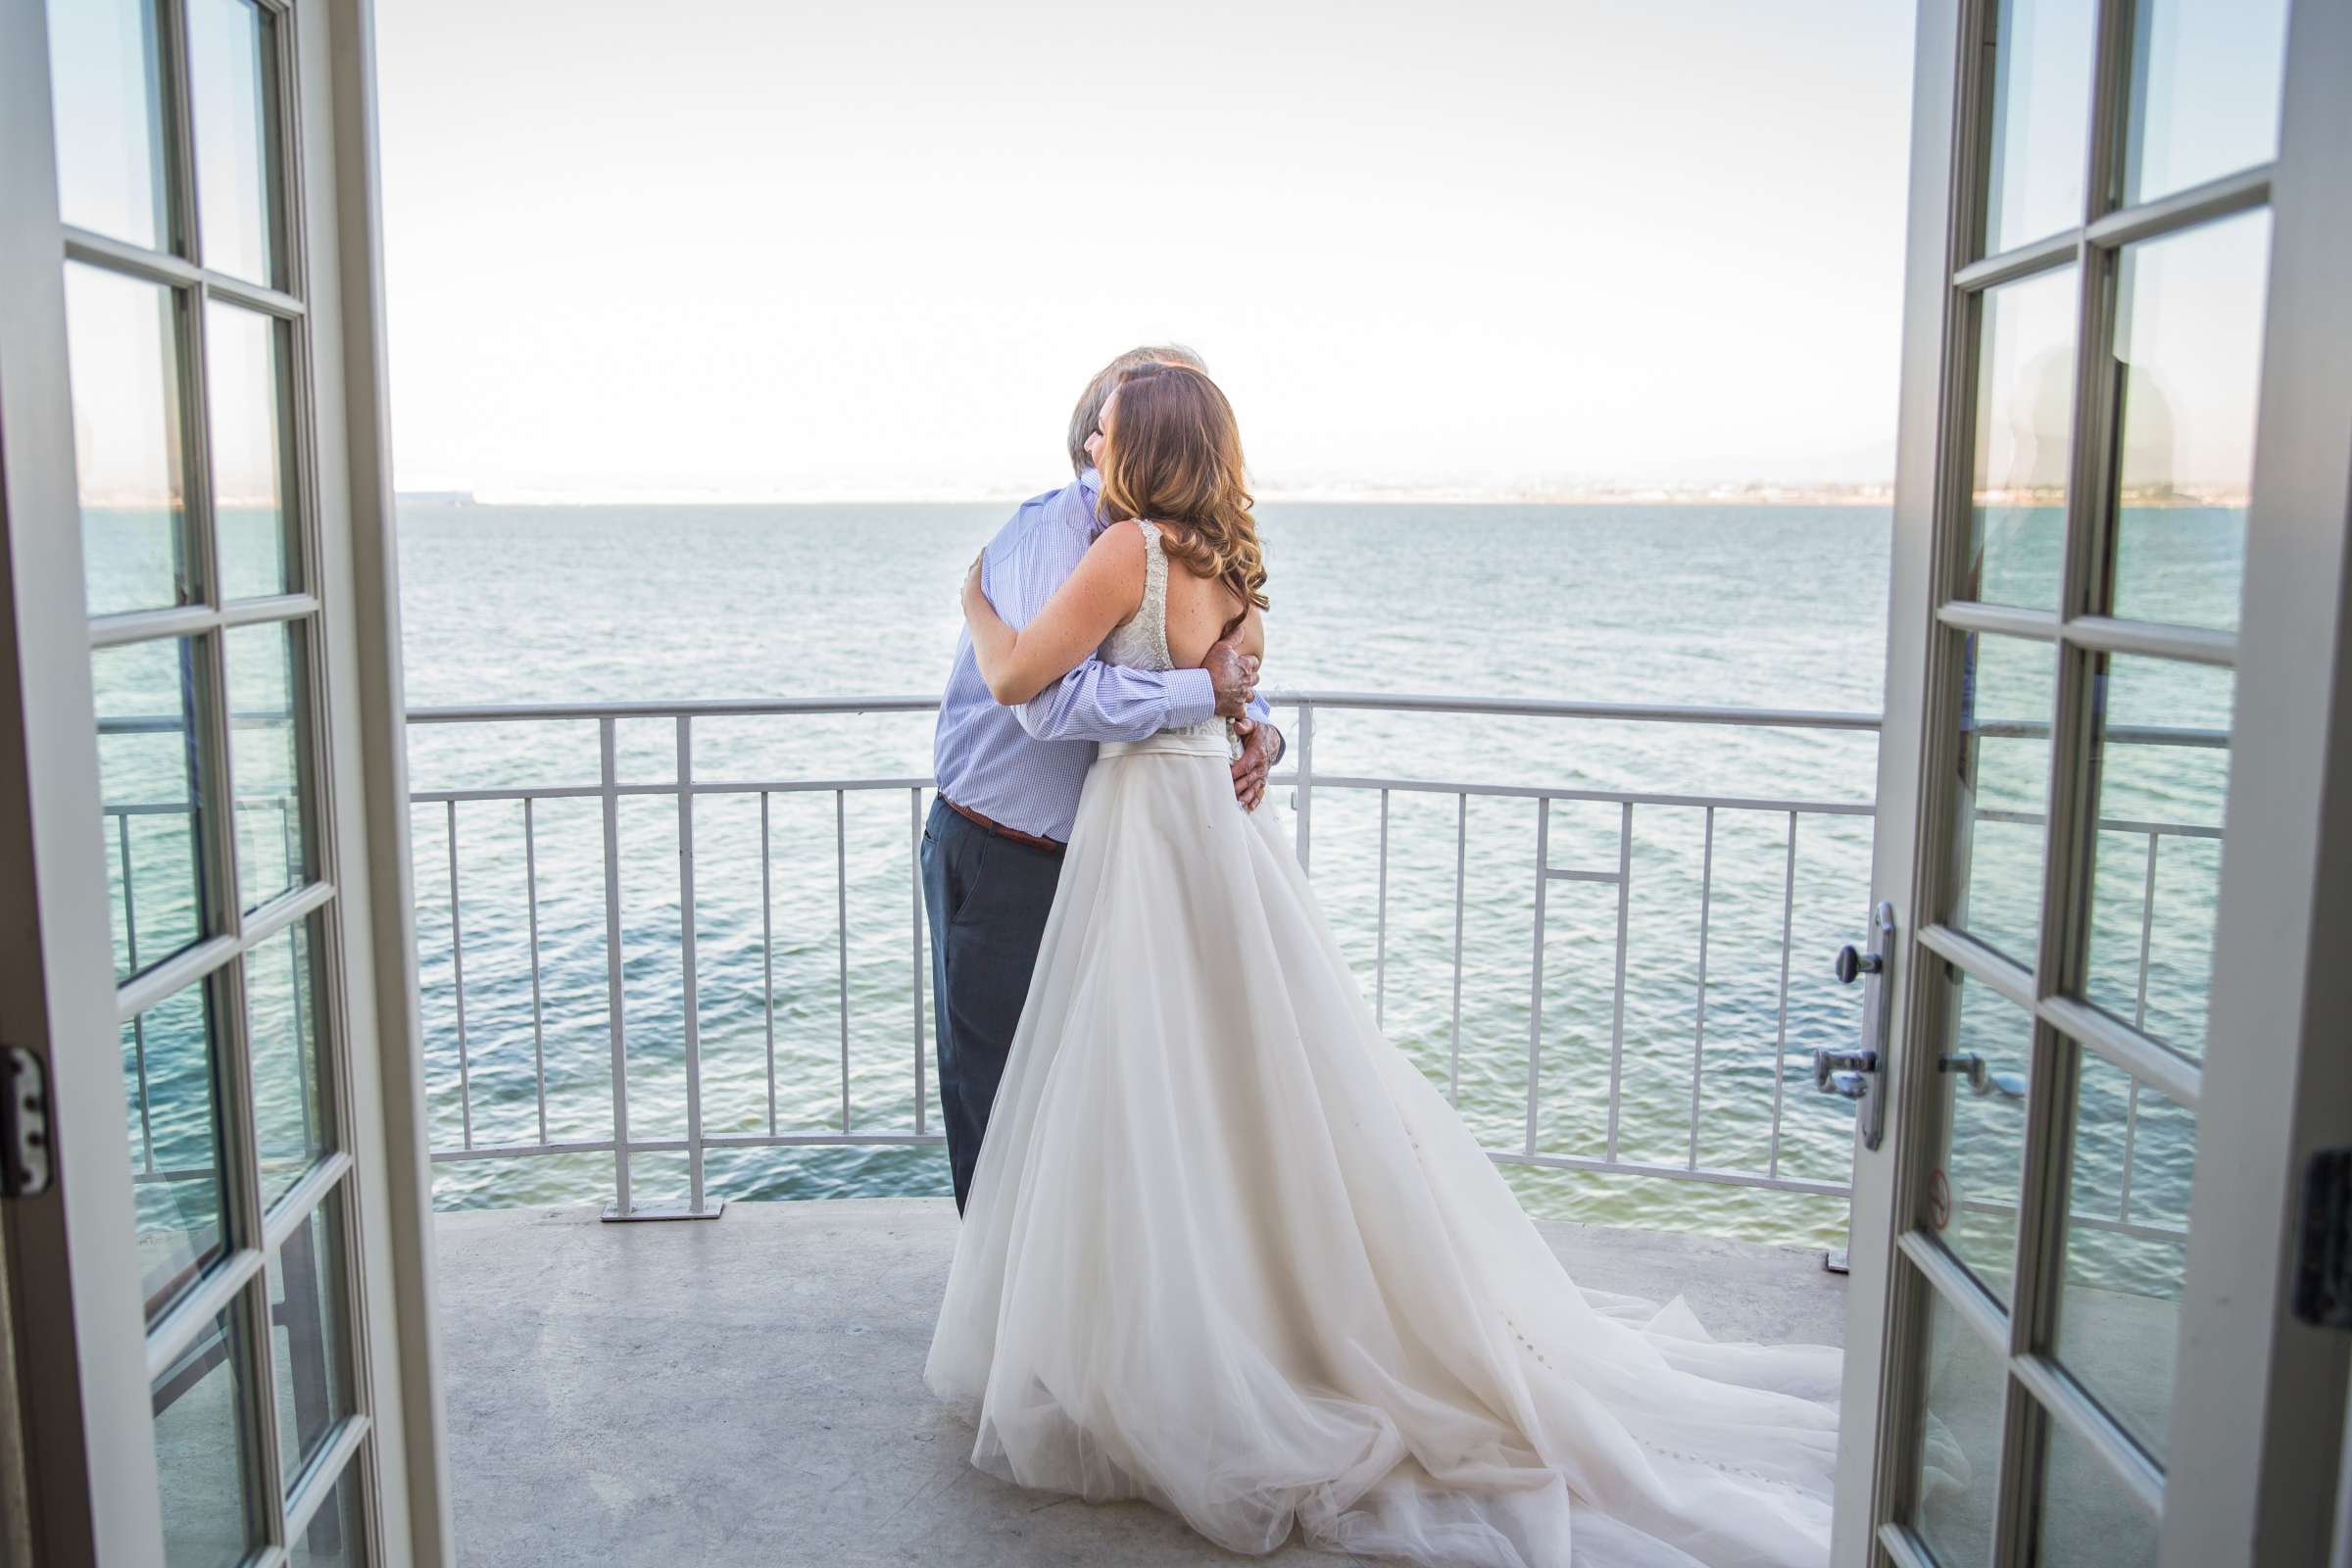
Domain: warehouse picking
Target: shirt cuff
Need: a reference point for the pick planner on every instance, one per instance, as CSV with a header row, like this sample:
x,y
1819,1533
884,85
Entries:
x,y
1191,697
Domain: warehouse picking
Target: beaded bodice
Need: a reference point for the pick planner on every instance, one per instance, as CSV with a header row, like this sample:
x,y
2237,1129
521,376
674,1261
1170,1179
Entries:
x,y
1141,641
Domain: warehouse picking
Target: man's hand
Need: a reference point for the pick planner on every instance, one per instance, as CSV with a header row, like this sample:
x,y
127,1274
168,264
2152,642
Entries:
x,y
1259,745
1233,674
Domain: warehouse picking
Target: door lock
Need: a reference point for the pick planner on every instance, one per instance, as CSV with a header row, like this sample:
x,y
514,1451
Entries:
x,y
1859,1074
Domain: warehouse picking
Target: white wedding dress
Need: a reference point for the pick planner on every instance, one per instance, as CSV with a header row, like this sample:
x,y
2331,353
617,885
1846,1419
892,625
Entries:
x,y
1228,1249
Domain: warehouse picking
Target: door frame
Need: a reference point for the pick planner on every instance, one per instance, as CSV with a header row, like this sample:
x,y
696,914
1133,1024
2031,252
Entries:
x,y
81,1346
2243,1479
80,1336
2255,1473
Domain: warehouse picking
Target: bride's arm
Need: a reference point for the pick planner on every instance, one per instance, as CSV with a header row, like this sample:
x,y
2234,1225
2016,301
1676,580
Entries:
x,y
1106,588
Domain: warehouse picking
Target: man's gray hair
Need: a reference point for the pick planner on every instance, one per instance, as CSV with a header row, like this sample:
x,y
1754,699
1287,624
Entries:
x,y
1089,412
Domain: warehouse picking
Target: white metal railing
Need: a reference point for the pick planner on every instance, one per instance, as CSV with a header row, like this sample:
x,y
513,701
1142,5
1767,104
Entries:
x,y
1300,774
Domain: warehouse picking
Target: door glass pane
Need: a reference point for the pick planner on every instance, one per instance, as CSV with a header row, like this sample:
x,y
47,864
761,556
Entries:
x,y
307,1337
2189,346
2127,1247
266,757
2205,79
2041,119
147,774
2087,1519
235,104
332,1537
2024,441
124,353
2007,688
171,1098
1980,1104
246,355
281,999
2161,775
105,90
1959,1440
204,1450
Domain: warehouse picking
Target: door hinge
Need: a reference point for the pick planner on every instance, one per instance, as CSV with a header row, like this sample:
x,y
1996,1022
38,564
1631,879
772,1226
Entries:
x,y
25,1165
2322,1288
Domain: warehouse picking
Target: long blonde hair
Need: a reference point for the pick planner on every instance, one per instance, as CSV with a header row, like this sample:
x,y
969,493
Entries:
x,y
1173,454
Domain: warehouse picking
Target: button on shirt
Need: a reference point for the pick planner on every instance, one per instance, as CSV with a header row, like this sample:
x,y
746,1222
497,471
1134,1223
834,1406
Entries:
x,y
1023,767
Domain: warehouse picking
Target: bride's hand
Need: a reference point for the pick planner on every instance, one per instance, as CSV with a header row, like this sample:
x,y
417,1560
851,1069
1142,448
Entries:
x,y
972,591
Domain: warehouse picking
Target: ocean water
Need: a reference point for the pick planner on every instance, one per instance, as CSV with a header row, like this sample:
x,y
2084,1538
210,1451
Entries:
x,y
1766,607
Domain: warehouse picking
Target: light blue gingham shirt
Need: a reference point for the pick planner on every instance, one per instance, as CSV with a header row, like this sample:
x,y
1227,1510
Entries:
x,y
1023,767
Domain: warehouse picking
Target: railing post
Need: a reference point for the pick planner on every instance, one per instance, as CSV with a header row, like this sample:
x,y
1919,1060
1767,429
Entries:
x,y
1380,956
1534,1001
1625,885
138,1024
1462,857
1780,1036
530,895
1306,783
457,978
691,996
1698,1034
840,893
915,844
610,796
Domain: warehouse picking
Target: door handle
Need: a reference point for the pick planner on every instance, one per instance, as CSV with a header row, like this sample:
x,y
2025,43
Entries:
x,y
1982,1079
1859,1074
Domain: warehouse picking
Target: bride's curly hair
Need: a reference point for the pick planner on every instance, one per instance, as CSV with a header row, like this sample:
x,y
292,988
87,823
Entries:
x,y
1173,454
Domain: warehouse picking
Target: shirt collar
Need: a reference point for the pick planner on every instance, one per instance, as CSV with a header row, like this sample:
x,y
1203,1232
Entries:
x,y
1090,484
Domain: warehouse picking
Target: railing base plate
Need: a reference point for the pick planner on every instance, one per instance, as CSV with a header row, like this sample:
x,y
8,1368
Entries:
x,y
654,1211
1830,1262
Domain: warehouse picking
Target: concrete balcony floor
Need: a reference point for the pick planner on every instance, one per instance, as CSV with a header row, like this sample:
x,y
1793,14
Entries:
x,y
748,1391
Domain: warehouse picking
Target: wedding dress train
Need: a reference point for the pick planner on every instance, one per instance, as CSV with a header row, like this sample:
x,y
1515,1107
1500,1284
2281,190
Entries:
x,y
1228,1249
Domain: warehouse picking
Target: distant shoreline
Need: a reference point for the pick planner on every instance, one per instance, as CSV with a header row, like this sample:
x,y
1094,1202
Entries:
x,y
1646,496
1758,496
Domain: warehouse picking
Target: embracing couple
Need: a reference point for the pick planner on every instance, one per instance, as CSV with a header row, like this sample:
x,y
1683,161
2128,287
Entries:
x,y
1224,1248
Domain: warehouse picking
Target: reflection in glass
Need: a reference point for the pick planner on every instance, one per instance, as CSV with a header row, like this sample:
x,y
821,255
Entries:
x,y
171,1089
105,89
265,759
1959,1440
281,1001
306,1338
2160,778
332,1537
245,354
2205,78
204,1449
147,775
2024,441
236,99
123,354
2007,686
1972,1197
2087,1517
2188,345
2127,1247
2041,119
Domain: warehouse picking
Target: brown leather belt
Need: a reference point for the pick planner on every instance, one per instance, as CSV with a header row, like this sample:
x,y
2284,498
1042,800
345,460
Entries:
x,y
1050,846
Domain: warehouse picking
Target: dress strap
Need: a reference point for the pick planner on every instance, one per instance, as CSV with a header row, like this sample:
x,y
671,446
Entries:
x,y
1154,612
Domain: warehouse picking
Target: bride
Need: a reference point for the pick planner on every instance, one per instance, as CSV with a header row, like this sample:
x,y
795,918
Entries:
x,y
1226,1248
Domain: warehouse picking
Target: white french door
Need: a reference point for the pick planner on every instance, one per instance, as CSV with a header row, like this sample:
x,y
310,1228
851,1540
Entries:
x,y
2116,783
216,1210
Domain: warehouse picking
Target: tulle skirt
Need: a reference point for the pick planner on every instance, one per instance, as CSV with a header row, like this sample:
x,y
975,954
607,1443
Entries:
x,y
1229,1250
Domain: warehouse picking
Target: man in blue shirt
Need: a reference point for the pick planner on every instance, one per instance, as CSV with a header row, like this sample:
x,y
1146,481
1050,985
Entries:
x,y
1009,779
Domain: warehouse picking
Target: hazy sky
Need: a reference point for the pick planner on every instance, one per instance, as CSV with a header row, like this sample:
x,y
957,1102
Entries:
x,y
752,249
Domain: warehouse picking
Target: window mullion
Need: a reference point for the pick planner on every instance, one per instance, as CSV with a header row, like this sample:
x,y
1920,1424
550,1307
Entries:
x,y
242,1144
